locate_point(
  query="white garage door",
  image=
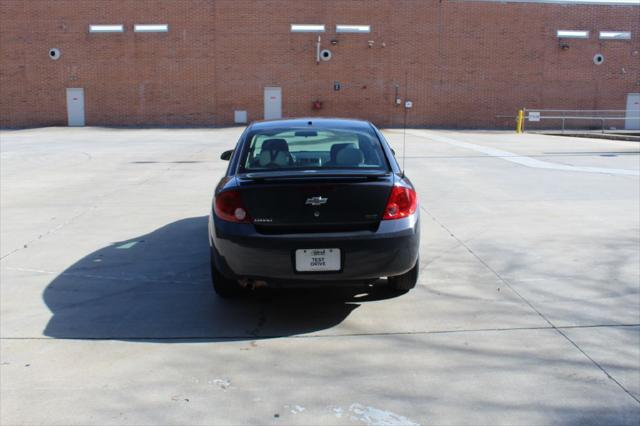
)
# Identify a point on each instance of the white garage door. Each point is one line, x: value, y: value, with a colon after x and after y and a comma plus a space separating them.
x: 632, y: 121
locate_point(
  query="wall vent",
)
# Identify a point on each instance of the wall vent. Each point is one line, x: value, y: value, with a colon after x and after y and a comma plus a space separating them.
x: 615, y: 35
x: 151, y: 28
x: 106, y: 28
x: 572, y: 34
x: 307, y: 28
x: 363, y: 29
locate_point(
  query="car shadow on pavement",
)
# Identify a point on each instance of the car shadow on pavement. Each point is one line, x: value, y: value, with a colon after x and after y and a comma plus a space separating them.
x: 157, y: 287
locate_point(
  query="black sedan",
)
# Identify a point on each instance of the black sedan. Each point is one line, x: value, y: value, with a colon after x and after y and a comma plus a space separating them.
x: 313, y: 202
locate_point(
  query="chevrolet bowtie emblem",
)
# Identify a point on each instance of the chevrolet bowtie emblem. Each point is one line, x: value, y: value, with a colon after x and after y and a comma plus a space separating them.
x: 316, y: 201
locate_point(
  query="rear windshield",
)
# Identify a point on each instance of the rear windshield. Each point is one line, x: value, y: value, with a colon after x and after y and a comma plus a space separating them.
x: 290, y: 149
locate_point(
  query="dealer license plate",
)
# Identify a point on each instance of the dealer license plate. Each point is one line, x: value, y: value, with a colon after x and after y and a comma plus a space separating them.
x: 317, y: 260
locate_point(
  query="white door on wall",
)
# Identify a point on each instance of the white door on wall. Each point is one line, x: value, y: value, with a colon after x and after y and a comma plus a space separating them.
x: 272, y: 103
x: 75, y: 106
x: 632, y: 121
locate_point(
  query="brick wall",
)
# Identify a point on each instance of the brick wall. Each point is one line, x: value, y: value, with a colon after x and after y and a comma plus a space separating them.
x: 462, y: 63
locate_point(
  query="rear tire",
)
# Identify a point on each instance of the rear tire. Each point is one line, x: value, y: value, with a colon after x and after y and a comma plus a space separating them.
x: 223, y: 286
x: 405, y: 282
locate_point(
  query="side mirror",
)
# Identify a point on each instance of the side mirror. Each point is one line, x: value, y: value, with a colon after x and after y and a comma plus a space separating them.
x: 226, y: 156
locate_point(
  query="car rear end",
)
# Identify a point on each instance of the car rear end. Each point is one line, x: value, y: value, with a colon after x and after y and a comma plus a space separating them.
x: 309, y: 203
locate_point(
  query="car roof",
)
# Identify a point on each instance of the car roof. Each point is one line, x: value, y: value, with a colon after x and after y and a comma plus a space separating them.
x: 311, y: 122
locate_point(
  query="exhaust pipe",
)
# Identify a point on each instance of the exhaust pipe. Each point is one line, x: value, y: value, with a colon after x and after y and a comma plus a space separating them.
x: 251, y: 284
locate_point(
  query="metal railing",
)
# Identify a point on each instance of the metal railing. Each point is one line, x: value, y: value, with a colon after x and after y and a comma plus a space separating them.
x: 600, y: 116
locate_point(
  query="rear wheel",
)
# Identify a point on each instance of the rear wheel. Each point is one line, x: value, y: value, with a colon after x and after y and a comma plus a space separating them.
x: 223, y: 286
x: 407, y: 281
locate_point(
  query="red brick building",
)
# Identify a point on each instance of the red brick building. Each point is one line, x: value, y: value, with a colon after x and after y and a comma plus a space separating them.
x: 460, y: 62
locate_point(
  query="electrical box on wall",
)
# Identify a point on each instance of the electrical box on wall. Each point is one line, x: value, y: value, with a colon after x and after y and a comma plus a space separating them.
x: 240, y: 116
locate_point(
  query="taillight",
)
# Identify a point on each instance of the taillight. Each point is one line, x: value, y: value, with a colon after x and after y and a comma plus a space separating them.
x: 228, y: 206
x: 403, y: 202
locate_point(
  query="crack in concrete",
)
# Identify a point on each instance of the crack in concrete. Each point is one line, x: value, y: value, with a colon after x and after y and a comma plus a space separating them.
x: 547, y: 320
x: 47, y: 233
x: 262, y: 320
x: 93, y: 205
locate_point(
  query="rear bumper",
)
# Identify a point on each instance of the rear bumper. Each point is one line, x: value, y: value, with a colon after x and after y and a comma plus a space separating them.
x: 240, y: 252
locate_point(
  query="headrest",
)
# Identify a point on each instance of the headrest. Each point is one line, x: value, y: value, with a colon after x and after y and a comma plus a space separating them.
x: 264, y: 158
x: 274, y: 158
x: 362, y: 139
x: 349, y: 157
x: 335, y: 148
x: 282, y: 159
x: 275, y: 145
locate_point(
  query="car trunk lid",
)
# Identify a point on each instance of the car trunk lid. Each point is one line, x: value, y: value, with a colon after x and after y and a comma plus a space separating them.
x: 327, y: 201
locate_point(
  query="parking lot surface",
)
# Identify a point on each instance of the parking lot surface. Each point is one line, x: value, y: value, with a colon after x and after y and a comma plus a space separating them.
x: 527, y: 309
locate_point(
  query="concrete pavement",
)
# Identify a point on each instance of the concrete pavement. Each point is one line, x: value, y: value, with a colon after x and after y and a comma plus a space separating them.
x: 527, y: 312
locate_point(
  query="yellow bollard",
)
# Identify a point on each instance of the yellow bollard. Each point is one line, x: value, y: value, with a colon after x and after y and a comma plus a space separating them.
x: 520, y: 121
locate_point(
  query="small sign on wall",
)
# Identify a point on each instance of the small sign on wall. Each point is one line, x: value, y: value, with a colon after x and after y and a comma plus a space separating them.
x: 336, y: 86
x: 534, y: 116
